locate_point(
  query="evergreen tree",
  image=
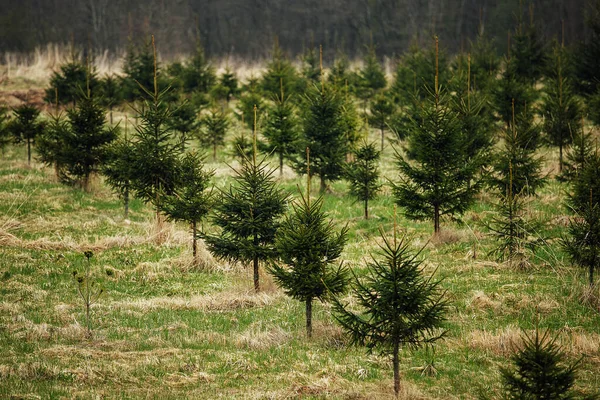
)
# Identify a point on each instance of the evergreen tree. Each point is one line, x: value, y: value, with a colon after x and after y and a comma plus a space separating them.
x: 118, y: 169
x: 438, y: 176
x: 248, y: 214
x: 110, y: 94
x: 190, y: 202
x: 155, y: 165
x: 69, y: 83
x: 138, y: 70
x: 281, y: 130
x: 279, y: 72
x: 539, y: 371
x: 325, y: 130
x: 49, y: 144
x: 82, y: 149
x: 183, y: 121
x: 363, y: 174
x: 560, y: 109
x: 230, y: 84
x: 242, y: 146
x: 578, y: 153
x: 340, y: 74
x: 311, y: 70
x: 485, y: 63
x: 587, y: 67
x: 25, y: 126
x: 511, y: 89
x: 586, y: 181
x: 308, y: 247
x: 382, y: 110
x: 401, y: 307
x: 246, y: 105
x: 198, y: 75
x: 371, y: 78
x: 527, y: 51
x: 215, y: 125
x: 521, y: 140
x: 4, y: 131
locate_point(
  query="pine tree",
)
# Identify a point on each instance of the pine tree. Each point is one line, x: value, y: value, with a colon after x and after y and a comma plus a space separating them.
x: 138, y: 69
x: 118, y: 170
x: 521, y: 140
x: 71, y: 82
x: 325, y: 132
x: 281, y: 129
x: 83, y: 148
x: 401, y: 307
x: 246, y: 105
x: 340, y: 75
x: 310, y: 68
x: 183, y: 121
x: 198, y: 75
x: 279, y: 71
x: 190, y: 202
x: 539, y: 371
x: 229, y: 82
x: 248, y: 214
x: 586, y: 181
x: 560, y: 109
x: 587, y: 54
x: 438, y: 176
x: 4, y: 131
x: 215, y: 125
x: 382, y: 110
x: 155, y: 165
x: 308, y: 248
x: 485, y: 63
x: 527, y: 51
x: 25, y: 126
x: 363, y: 174
x: 511, y: 89
x: 578, y: 153
x: 110, y: 93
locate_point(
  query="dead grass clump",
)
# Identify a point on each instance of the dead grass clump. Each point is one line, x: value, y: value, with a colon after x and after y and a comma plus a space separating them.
x: 481, y: 301
x: 448, y: 236
x: 501, y: 342
x: 180, y: 379
x: 258, y: 337
x: 330, y: 334
x: 590, y: 296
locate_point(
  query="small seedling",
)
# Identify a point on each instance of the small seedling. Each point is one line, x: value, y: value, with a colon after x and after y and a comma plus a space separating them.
x: 88, y: 290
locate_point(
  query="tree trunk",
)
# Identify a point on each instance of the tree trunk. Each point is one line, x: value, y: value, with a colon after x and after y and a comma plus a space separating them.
x: 256, y: 277
x: 215, y: 152
x: 126, y: 202
x: 111, y: 115
x: 560, y: 158
x: 396, y: 363
x: 436, y: 219
x: 309, y: 317
x: 280, y: 164
x: 382, y: 139
x: 28, y: 151
x: 194, y: 243
x: 323, y: 186
x: 366, y: 209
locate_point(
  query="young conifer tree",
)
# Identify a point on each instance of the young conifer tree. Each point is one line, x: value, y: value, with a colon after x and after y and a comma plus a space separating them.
x: 586, y: 181
x: 509, y: 89
x: 198, y: 75
x: 400, y: 306
x: 140, y: 70
x: 215, y: 125
x: 363, y: 174
x: 560, y: 110
x: 72, y: 79
x: 190, y: 201
x: 521, y: 138
x: 579, y: 152
x: 527, y: 49
x: 229, y: 82
x: 26, y: 126
x: 438, y: 176
x: 248, y: 214
x: 110, y: 94
x: 4, y: 132
x: 83, y: 148
x: 279, y: 70
x: 308, y: 248
x: 539, y: 371
x: 382, y: 109
x: 118, y: 168
x: 371, y: 77
x: 281, y: 129
x: 183, y: 121
x: 155, y: 165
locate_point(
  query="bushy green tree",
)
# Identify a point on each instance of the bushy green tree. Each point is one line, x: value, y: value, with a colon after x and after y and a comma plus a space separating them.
x: 279, y: 72
x: 183, y: 121
x: 311, y: 69
x: 340, y: 75
x: 83, y: 147
x: 527, y: 51
x: 325, y: 132
x: 246, y: 105
x: 437, y: 174
x: 539, y: 371
x: 308, y: 248
x: 198, y: 75
x: 587, y: 54
x: 582, y: 243
x: 371, y: 78
x: 118, y: 168
x: 71, y: 82
x: 49, y: 143
x: 4, y: 131
x: 26, y: 126
x: 485, y: 63
x: 190, y: 201
x: 363, y: 174
x: 579, y: 152
x: 400, y: 307
x: 560, y: 109
x: 214, y: 127
x: 229, y: 82
x: 110, y: 93
x: 248, y: 214
x: 382, y: 110
x: 508, y: 89
x: 281, y: 130
x: 586, y: 181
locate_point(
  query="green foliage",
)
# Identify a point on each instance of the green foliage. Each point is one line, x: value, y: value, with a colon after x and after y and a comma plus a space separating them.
x: 560, y: 109
x: 25, y: 126
x: 325, y: 132
x: 89, y: 291
x: 510, y: 88
x: 139, y: 73
x: 588, y: 53
x: 183, y: 121
x: 363, y: 174
x: 308, y: 247
x: 539, y: 371
x: 4, y: 131
x: 71, y: 82
x: 311, y: 70
x: 118, y: 168
x: 527, y: 53
x: 485, y: 63
x: 246, y: 105
x: 382, y: 109
x: 438, y: 175
x: 521, y: 141
x: 248, y: 214
x: 583, y: 241
x: 340, y: 74
x: 579, y: 152
x: 279, y: 72
x: 371, y: 77
x: 281, y: 130
x: 214, y: 127
x: 229, y: 82
x: 198, y: 75
x: 190, y: 202
x: 82, y: 148
x: 110, y: 93
x: 399, y: 306
x: 586, y: 186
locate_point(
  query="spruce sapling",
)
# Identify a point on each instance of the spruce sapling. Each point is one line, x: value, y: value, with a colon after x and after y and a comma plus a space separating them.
x: 363, y: 174
x: 382, y: 110
x: 215, y: 125
x: 400, y: 306
x: 117, y: 168
x: 26, y: 126
x: 308, y: 248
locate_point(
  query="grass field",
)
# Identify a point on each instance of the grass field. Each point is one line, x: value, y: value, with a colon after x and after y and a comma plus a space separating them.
x: 164, y: 329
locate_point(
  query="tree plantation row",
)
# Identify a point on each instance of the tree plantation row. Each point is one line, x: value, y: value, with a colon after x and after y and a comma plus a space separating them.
x: 458, y: 127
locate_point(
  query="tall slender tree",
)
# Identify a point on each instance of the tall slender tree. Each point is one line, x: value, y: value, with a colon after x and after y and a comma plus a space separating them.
x: 215, y: 125
x: 118, y: 168
x: 363, y: 174
x: 26, y: 126
x: 382, y: 110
